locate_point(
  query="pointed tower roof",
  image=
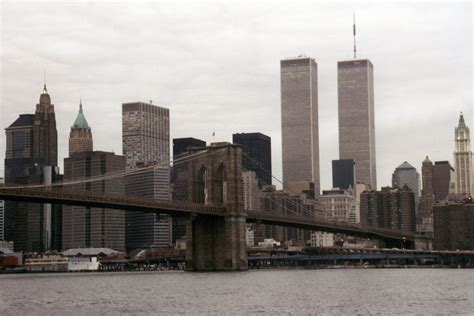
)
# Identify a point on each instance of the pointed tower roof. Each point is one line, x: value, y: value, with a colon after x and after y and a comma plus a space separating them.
x: 80, y: 121
x: 462, y: 123
x: 44, y: 97
x: 405, y: 165
x: 427, y: 159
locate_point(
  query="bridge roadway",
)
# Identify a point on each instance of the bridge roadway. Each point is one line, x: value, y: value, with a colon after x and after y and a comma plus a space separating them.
x: 179, y: 208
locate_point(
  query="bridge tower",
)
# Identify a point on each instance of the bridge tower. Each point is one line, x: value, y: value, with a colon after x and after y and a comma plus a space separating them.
x: 215, y: 178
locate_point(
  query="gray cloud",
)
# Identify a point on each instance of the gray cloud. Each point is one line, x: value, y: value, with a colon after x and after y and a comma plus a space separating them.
x: 216, y: 66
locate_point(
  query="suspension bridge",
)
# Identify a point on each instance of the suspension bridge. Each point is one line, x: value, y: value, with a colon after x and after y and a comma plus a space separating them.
x: 216, y: 216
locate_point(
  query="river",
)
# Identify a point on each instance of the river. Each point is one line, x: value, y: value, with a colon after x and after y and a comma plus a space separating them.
x: 334, y: 292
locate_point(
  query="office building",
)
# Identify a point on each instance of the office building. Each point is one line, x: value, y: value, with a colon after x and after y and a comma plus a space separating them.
x: 179, y: 179
x: 343, y: 173
x: 406, y: 174
x: 453, y: 226
x: 86, y: 227
x: 45, y: 135
x: 146, y: 143
x: 443, y: 180
x: 251, y: 191
x: 299, y: 121
x: 181, y: 145
x: 355, y: 87
x: 80, y: 136
x: 427, y: 200
x: 463, y: 158
x: 388, y: 208
x: 145, y: 134
x: 31, y: 158
x: 257, y: 155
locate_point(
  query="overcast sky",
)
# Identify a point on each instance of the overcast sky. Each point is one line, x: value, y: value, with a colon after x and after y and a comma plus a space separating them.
x: 215, y: 65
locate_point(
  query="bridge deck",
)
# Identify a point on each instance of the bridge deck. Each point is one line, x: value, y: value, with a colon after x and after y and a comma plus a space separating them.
x: 178, y: 208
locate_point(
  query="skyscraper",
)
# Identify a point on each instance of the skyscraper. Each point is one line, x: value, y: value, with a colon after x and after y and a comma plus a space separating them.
x: 85, y: 227
x: 146, y: 141
x: 427, y: 200
x: 257, y: 149
x: 45, y: 135
x: 31, y: 158
x: 355, y: 87
x: 406, y: 174
x: 343, y: 173
x: 80, y: 137
x: 443, y: 179
x: 463, y: 158
x: 179, y: 179
x: 299, y: 121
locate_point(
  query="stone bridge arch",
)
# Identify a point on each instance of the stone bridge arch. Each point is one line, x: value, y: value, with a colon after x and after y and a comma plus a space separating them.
x: 215, y: 178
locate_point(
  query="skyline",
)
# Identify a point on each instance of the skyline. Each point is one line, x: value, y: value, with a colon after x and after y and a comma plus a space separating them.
x: 249, y: 76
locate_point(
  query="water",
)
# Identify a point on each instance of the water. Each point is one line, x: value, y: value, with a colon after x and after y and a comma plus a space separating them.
x: 348, y: 291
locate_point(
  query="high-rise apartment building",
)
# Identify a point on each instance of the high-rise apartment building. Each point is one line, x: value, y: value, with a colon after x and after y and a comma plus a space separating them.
x: 443, y: 179
x: 355, y: 87
x: 85, y: 227
x: 146, y: 141
x: 80, y: 137
x: 299, y: 121
x: 463, y: 158
x: 453, y: 226
x: 343, y: 173
x: 257, y: 155
x: 406, y: 174
x: 389, y: 208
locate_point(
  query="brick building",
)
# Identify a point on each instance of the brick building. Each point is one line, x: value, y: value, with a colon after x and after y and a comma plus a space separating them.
x: 453, y: 226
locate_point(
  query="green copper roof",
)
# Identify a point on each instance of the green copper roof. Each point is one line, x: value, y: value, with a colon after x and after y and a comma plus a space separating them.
x: 80, y: 121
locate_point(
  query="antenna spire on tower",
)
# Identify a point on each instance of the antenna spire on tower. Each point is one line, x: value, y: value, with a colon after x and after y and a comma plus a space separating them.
x: 354, y: 33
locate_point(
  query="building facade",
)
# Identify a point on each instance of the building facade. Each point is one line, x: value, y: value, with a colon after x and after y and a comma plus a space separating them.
x: 179, y: 179
x: 427, y: 200
x: 45, y: 135
x: 443, y: 180
x: 453, y: 226
x: 355, y: 87
x: 257, y: 150
x: 388, y: 208
x: 146, y: 142
x: 343, y: 173
x: 31, y: 158
x: 337, y: 204
x: 86, y: 227
x: 80, y: 136
x: 299, y: 121
x: 463, y: 158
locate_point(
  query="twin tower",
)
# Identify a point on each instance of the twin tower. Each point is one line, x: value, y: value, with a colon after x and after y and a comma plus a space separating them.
x: 300, y: 126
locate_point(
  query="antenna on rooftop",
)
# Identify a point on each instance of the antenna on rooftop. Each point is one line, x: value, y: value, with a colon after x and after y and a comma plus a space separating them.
x: 354, y: 33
